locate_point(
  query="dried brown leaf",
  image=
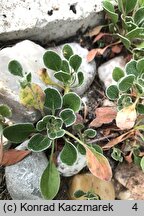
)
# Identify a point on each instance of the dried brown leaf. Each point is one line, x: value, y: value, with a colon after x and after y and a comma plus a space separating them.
x: 126, y: 117
x: 95, y: 31
x: 104, y: 115
x: 116, y: 48
x: 128, y: 158
x: 13, y: 156
x: 99, y: 36
x: 118, y: 139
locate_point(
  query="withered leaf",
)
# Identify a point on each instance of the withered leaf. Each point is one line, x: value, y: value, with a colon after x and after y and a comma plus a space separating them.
x: 96, y: 30
x: 104, y: 115
x: 13, y: 156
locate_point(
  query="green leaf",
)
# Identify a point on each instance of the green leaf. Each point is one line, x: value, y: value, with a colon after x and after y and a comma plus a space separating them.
x: 141, y: 82
x: 18, y: 132
x: 5, y: 111
x: 50, y: 181
x: 140, y: 65
x: 1, y: 129
x: 79, y: 193
x: 89, y: 133
x: 140, y: 108
x: 112, y: 92
x: 15, y: 68
x: 124, y: 101
x: 67, y: 51
x: 98, y: 148
x: 109, y: 8
x: 142, y: 163
x: 68, y: 154
x: 80, y: 76
x: 53, y: 99
x: 129, y: 5
x: 62, y: 76
x: 65, y: 66
x: 38, y: 143
x: 72, y: 100
x: 124, y: 40
x: 52, y: 60
x: 68, y: 116
x: 139, y: 17
x: 29, y: 77
x: 137, y: 33
x: 137, y: 159
x: 139, y: 88
x: 75, y: 62
x: 131, y: 68
x: 78, y: 127
x: 117, y: 154
x: 81, y: 149
x: 41, y: 125
x: 117, y: 74
x: 55, y: 134
x: 126, y: 83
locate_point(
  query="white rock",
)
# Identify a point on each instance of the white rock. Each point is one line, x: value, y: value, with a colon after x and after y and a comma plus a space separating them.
x: 23, y: 178
x: 30, y: 54
x: 106, y: 69
x: 67, y: 171
x: 47, y: 20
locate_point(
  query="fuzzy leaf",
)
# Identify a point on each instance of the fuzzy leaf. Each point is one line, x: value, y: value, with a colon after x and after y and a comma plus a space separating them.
x: 117, y: 154
x: 72, y: 100
x: 141, y: 82
x: 41, y: 125
x: 98, y: 164
x: 131, y: 68
x: 129, y: 5
x: 81, y: 149
x: 140, y: 66
x: 124, y: 40
x: 139, y: 17
x: 50, y: 181
x: 90, y: 133
x: 15, y: 68
x: 68, y: 116
x: 79, y: 193
x: 126, y: 117
x: 126, y: 83
x: 52, y: 60
x: 5, y: 111
x: 68, y: 154
x: 19, y: 132
x: 38, y: 143
x: 13, y: 156
x: 140, y: 109
x: 65, y: 66
x: 75, y: 62
x: 28, y: 99
x: 62, y: 76
x: 67, y: 51
x: 80, y: 76
x: 137, y: 33
x: 53, y: 99
x: 112, y: 92
x: 109, y: 8
x: 117, y: 74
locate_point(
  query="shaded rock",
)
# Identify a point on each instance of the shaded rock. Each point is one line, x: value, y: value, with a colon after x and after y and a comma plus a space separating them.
x: 106, y: 69
x: 47, y: 20
x: 30, y: 55
x: 23, y: 178
x: 87, y: 182
x: 66, y: 170
x: 131, y: 177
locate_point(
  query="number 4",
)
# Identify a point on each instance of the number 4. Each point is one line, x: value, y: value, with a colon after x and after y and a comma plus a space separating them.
x: 135, y: 207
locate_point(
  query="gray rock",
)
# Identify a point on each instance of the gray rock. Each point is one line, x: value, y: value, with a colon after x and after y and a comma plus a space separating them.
x: 67, y: 171
x: 30, y: 54
x: 23, y: 178
x: 47, y: 20
x: 131, y: 177
x: 106, y: 69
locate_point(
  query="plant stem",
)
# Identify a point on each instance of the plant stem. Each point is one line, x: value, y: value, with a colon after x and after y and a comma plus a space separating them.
x: 36, y: 100
x: 74, y: 137
x: 52, y: 150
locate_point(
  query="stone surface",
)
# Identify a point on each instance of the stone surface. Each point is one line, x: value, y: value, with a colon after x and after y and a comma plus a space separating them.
x: 67, y: 171
x: 23, y: 178
x: 30, y: 54
x: 88, y: 182
x: 106, y: 69
x: 131, y: 177
x: 47, y: 20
